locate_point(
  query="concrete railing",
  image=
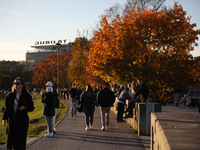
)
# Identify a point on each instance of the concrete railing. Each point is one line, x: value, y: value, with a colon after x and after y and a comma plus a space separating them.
x: 141, y: 120
x: 144, y: 116
x: 133, y: 122
x: 170, y: 131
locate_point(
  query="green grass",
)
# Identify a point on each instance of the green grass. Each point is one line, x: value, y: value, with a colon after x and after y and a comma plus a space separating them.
x: 35, y: 129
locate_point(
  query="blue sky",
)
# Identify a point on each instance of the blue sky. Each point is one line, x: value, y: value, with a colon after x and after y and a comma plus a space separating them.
x: 22, y: 22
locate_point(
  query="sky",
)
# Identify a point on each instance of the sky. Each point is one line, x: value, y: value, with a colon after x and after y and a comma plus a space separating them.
x: 23, y: 22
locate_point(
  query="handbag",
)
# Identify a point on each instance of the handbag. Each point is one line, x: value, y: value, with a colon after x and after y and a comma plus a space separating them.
x: 79, y: 106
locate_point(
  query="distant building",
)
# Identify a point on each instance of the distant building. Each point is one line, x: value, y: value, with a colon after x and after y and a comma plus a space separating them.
x: 13, y: 64
x: 44, y: 48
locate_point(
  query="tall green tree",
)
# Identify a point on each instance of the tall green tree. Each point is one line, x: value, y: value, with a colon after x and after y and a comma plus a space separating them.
x: 6, y: 82
x: 15, y: 69
x: 4, y: 69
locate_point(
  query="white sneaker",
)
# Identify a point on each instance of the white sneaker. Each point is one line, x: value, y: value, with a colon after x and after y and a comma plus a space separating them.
x: 48, y: 135
x: 103, y: 128
x: 87, y: 128
x: 91, y: 128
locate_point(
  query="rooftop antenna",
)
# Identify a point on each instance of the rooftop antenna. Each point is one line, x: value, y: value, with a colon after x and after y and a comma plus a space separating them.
x: 83, y: 32
x: 86, y: 34
x: 77, y: 32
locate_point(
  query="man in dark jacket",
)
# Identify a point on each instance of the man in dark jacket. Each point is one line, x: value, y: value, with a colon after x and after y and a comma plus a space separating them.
x: 105, y: 99
x: 143, y: 92
x: 74, y: 97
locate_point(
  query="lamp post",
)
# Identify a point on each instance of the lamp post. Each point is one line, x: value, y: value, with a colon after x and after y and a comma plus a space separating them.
x: 52, y: 65
x: 58, y: 46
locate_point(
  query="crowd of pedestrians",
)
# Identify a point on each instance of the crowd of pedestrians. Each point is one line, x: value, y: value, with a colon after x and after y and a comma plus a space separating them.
x: 105, y: 98
x: 19, y: 102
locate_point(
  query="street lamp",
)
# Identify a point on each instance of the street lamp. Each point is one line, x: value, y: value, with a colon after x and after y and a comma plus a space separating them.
x: 58, y: 46
x: 52, y: 65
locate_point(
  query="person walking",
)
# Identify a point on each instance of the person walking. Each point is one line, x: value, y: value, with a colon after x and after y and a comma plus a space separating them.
x: 57, y: 104
x: 124, y: 95
x: 105, y: 99
x: 88, y: 99
x: 143, y: 92
x: 18, y: 103
x: 73, y: 94
x: 49, y: 99
x: 64, y: 93
x: 67, y: 92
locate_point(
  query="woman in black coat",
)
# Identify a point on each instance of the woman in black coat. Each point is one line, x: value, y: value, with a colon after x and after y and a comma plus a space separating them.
x: 49, y: 99
x: 18, y: 103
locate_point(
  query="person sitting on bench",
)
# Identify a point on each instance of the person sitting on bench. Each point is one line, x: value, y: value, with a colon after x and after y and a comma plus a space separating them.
x: 143, y: 92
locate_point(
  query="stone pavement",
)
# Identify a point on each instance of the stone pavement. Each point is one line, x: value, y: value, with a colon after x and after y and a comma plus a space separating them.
x: 71, y: 135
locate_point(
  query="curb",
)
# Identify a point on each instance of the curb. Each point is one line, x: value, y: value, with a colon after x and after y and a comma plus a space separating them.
x: 29, y: 144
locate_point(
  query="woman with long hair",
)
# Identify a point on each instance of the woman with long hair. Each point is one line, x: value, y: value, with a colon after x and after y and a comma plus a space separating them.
x: 88, y: 99
x: 18, y: 103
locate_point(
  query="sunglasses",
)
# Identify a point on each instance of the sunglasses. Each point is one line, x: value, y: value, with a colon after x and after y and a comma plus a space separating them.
x: 17, y: 83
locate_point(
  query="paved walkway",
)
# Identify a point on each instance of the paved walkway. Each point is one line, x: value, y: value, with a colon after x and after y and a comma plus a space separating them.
x: 71, y: 135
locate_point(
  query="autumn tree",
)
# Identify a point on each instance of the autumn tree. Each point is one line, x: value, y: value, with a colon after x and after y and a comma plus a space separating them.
x: 77, y: 71
x: 148, y: 44
x: 46, y: 70
x: 78, y: 63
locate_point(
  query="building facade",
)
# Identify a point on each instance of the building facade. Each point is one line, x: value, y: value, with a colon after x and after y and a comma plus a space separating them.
x: 44, y: 48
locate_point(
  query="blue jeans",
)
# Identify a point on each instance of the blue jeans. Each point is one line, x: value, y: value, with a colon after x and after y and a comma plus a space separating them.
x: 73, y: 106
x: 49, y: 123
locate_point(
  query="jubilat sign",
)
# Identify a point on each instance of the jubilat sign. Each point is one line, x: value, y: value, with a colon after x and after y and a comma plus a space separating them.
x: 50, y: 42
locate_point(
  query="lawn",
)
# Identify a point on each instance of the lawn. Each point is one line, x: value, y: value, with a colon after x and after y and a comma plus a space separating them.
x: 35, y: 129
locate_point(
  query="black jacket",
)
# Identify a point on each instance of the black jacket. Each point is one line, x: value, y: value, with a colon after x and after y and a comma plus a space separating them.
x: 106, y: 98
x: 18, y: 122
x: 73, y: 92
x: 143, y: 91
x: 49, y: 100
